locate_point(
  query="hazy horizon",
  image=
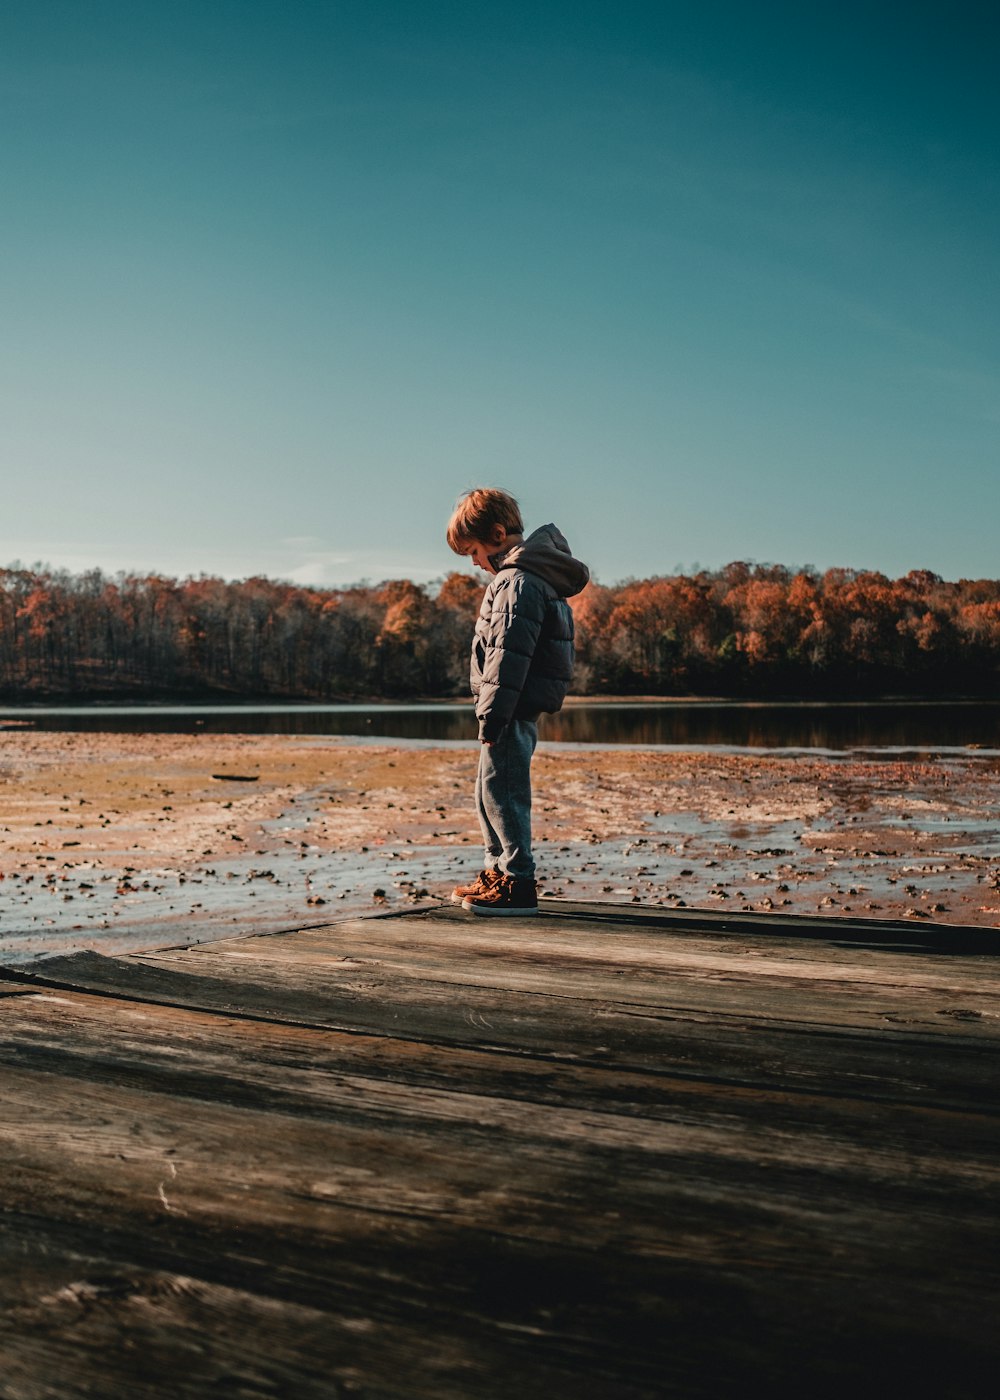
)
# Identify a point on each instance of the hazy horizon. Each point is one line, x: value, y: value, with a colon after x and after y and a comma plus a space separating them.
x: 459, y: 566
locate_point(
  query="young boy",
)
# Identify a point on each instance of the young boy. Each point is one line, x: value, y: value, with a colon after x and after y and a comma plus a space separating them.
x: 522, y: 663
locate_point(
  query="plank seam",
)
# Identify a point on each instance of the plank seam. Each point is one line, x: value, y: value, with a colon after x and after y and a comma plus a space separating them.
x: 553, y: 1057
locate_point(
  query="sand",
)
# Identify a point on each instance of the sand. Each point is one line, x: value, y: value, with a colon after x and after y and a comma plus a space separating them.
x: 118, y: 842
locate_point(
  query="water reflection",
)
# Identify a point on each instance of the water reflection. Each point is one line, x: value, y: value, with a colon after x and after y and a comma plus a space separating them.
x: 782, y: 726
x: 696, y: 725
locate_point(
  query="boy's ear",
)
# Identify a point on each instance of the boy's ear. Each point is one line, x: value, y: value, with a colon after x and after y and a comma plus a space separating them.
x: 499, y: 534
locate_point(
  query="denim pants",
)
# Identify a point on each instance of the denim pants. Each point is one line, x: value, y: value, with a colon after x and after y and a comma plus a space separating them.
x: 503, y: 799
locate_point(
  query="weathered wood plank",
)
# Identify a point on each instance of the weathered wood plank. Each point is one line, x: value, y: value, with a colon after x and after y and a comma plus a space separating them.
x: 636, y: 934
x: 895, y: 1069
x: 691, y: 1009
x: 401, y: 1191
x: 307, y: 1071
x: 646, y: 972
x: 419, y: 1157
x: 93, y: 1325
x: 655, y: 972
x: 895, y: 1062
x: 545, y: 944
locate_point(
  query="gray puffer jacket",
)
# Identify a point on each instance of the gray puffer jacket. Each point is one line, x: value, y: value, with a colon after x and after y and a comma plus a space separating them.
x: 522, y: 653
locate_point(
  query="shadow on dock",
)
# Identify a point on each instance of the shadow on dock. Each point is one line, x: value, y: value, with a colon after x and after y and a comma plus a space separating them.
x: 598, y: 1151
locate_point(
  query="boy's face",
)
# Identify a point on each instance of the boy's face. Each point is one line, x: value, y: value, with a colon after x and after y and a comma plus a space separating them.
x: 479, y: 551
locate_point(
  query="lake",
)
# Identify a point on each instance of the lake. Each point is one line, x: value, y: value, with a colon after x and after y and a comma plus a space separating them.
x: 683, y: 724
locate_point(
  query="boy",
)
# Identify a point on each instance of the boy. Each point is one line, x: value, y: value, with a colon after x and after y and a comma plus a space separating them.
x: 522, y: 663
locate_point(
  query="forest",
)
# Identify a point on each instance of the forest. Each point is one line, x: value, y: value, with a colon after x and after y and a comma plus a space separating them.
x: 753, y: 630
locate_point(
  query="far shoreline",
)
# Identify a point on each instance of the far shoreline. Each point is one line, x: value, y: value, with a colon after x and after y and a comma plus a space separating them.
x: 229, y: 702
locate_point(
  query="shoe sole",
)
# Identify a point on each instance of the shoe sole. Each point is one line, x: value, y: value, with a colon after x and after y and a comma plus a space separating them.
x: 495, y: 913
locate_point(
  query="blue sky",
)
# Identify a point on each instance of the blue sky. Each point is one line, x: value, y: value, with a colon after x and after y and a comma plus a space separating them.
x: 700, y: 282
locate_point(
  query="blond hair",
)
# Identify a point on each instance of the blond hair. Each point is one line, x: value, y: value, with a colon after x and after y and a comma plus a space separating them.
x: 477, y: 513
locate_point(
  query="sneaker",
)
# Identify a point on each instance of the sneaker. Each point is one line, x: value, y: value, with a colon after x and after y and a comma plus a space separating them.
x: 507, y: 895
x: 484, y: 881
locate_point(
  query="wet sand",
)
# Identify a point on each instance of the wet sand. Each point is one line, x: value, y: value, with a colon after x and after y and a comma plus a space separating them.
x: 120, y: 842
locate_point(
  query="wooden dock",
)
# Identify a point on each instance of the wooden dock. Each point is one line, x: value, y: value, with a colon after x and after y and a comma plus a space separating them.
x: 598, y: 1152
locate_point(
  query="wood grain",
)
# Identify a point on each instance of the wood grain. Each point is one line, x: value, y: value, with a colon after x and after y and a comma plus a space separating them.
x: 566, y: 1156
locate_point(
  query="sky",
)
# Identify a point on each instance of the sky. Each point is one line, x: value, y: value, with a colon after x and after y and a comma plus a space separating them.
x: 280, y: 279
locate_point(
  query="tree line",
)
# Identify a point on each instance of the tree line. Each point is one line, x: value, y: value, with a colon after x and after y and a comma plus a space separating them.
x: 744, y: 630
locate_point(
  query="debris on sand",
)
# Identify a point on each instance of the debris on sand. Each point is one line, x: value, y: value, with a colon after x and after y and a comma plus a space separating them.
x: 107, y: 835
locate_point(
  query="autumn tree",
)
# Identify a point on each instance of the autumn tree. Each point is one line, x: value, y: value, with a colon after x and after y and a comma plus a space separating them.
x: 746, y: 629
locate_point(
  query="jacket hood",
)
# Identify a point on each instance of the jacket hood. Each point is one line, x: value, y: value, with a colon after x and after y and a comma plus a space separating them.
x: 546, y: 553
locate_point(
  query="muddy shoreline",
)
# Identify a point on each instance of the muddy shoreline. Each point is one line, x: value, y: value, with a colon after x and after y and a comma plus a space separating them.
x: 118, y: 841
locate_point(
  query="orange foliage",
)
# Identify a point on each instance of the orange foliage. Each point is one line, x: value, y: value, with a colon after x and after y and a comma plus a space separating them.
x: 744, y: 629
x: 461, y: 592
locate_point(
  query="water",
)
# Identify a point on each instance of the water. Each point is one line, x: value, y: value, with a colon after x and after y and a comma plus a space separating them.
x: 688, y: 724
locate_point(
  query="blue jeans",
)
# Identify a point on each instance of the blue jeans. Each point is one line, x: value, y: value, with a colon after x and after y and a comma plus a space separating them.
x: 503, y: 799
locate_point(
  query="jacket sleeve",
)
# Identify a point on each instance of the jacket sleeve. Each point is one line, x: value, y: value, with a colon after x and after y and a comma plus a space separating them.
x: 515, y: 626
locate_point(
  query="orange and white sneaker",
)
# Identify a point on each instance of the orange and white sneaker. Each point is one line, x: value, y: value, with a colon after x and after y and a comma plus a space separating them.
x: 508, y: 895
x: 484, y: 881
